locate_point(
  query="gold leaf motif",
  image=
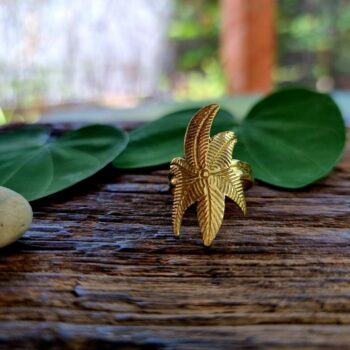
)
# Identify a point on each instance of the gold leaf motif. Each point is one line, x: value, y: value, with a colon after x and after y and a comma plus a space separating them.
x: 229, y: 182
x: 198, y: 135
x: 206, y: 175
x: 185, y: 192
x: 210, y: 210
x: 220, y: 149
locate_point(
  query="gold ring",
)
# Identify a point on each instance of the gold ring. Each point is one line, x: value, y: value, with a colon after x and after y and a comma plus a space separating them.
x: 207, y: 174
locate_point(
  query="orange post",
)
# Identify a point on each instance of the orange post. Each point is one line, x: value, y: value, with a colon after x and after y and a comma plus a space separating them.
x: 248, y: 44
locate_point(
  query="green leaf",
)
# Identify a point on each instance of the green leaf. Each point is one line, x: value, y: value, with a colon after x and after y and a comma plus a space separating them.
x: 159, y: 141
x: 36, y: 165
x: 291, y: 138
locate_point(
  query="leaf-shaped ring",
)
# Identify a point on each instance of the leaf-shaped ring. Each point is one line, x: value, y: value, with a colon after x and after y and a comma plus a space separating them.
x: 207, y: 174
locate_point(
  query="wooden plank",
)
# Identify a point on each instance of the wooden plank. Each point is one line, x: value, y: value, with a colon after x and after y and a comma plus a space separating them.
x: 248, y: 44
x: 100, y: 269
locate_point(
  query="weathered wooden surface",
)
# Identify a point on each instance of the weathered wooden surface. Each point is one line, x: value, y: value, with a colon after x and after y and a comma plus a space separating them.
x: 100, y: 269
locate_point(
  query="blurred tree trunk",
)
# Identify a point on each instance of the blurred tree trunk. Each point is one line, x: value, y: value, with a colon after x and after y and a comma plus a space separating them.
x: 248, y: 44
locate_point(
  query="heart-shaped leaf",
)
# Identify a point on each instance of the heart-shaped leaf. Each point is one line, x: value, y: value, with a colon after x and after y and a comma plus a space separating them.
x: 36, y: 165
x: 291, y: 138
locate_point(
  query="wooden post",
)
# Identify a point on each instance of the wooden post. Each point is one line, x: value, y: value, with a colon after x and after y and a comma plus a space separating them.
x: 248, y: 44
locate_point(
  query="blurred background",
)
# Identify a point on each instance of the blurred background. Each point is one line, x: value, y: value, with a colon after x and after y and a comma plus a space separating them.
x: 60, y: 55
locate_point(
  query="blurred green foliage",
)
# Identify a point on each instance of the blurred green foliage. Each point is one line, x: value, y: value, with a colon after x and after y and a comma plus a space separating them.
x: 194, y: 32
x: 196, y: 22
x: 2, y: 117
x: 312, y: 35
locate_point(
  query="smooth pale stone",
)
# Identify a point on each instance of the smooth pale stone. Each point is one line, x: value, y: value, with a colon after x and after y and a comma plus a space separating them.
x: 16, y: 215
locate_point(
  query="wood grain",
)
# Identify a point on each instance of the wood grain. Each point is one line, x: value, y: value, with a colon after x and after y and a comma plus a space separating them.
x: 100, y: 269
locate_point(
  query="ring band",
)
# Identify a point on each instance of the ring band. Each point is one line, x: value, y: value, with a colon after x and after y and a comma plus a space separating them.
x: 246, y: 174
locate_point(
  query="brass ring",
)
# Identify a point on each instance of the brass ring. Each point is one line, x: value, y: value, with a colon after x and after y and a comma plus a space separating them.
x: 207, y: 174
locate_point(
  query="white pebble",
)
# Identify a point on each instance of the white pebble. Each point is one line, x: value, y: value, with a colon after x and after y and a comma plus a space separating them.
x: 16, y: 215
